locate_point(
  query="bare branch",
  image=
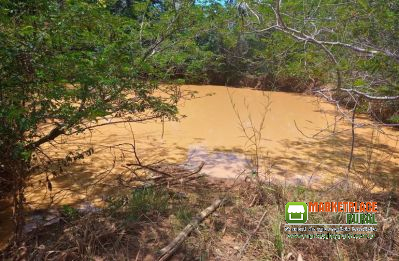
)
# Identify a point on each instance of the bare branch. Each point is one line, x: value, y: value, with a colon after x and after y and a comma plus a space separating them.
x: 280, y: 25
x: 61, y: 130
x: 166, y: 252
x: 301, y: 36
x: 54, y: 133
x: 371, y: 97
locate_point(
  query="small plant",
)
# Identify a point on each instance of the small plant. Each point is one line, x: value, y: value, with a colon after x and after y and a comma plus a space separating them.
x: 394, y: 118
x: 184, y: 215
x: 278, y: 240
x: 145, y: 202
x: 69, y: 212
x: 299, y: 192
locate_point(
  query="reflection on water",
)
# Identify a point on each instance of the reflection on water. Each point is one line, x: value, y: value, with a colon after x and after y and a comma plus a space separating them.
x: 217, y: 164
x: 303, y: 141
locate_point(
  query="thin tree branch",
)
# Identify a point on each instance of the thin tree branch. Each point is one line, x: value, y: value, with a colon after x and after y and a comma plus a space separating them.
x: 169, y: 250
x: 371, y: 97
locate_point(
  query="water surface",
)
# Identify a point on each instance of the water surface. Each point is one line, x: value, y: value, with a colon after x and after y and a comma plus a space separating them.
x: 303, y: 141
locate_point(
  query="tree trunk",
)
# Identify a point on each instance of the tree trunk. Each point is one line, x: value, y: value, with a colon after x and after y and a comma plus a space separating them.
x: 19, y: 200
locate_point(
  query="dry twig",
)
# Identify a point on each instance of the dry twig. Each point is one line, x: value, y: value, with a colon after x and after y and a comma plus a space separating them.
x: 168, y: 251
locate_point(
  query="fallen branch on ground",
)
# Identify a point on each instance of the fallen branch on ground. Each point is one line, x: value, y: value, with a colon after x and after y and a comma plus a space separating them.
x: 168, y: 251
x: 165, y: 179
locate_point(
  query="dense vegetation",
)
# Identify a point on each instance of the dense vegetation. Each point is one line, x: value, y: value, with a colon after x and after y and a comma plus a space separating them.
x: 66, y: 63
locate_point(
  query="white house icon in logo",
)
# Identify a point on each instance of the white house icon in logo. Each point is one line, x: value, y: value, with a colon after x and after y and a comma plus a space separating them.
x: 296, y: 209
x: 296, y: 212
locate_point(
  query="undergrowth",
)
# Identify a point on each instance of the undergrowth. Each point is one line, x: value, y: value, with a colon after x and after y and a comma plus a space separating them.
x: 138, y: 225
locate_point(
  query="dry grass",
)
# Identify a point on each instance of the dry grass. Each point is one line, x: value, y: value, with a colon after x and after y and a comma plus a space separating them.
x: 271, y: 242
x: 90, y: 237
x: 112, y: 235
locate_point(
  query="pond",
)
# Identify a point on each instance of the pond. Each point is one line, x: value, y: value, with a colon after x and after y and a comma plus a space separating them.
x: 300, y: 139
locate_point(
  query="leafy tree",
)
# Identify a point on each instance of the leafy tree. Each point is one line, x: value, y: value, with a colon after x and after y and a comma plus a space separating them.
x: 66, y: 65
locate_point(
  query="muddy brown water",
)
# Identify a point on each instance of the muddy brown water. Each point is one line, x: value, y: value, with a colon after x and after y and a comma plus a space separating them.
x: 303, y: 141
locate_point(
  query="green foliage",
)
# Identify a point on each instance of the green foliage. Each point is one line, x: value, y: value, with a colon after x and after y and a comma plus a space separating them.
x: 69, y: 212
x: 184, y: 214
x: 146, y: 202
x: 142, y: 203
x: 222, y: 45
x: 67, y: 64
x: 278, y: 239
x: 394, y: 119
